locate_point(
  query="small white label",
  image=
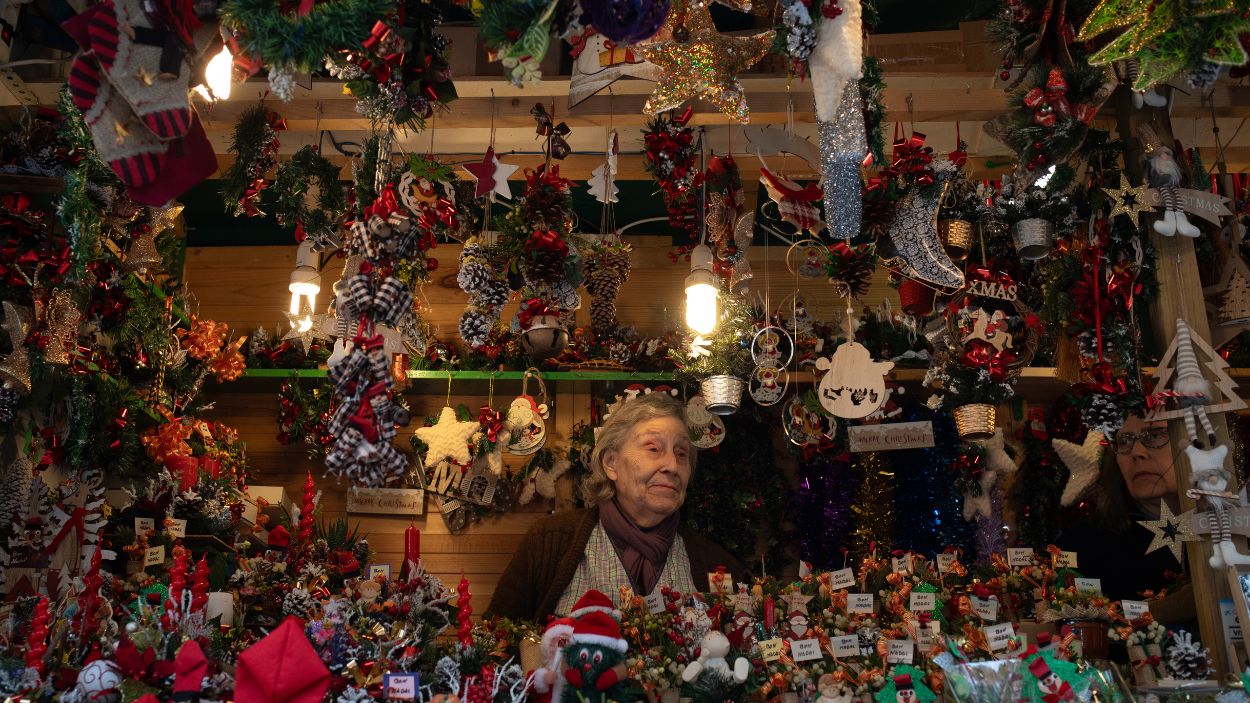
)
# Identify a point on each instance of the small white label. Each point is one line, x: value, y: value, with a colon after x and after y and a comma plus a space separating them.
x: 859, y: 603
x: 720, y: 583
x: 805, y: 650
x: 920, y: 601
x: 842, y: 578
x: 901, y: 564
x: 144, y: 525
x: 176, y: 528
x: 401, y: 687
x: 1084, y: 584
x: 1065, y: 560
x: 845, y: 646
x: 999, y: 636
x: 1019, y: 556
x: 655, y: 602
x: 154, y: 555
x: 985, y: 608
x: 900, y: 651
x: 945, y: 562
x: 1232, y: 624
x: 770, y: 650
x: 382, y: 570
x: 1134, y: 609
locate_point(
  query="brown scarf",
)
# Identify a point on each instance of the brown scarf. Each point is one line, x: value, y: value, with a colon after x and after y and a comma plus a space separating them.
x: 643, y: 552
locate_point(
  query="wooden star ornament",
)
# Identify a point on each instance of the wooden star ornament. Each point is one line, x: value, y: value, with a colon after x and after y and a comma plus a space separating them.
x: 492, y: 176
x: 1128, y: 200
x: 700, y: 62
x: 1169, y: 530
x: 305, y: 326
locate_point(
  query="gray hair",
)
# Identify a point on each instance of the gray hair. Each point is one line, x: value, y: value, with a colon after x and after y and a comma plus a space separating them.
x: 597, y: 487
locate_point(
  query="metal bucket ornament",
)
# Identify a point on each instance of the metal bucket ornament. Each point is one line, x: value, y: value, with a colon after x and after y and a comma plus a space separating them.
x: 722, y: 393
x: 956, y: 237
x: 542, y: 333
x: 526, y: 418
x: 1033, y: 238
x: 915, y: 298
x: 975, y: 421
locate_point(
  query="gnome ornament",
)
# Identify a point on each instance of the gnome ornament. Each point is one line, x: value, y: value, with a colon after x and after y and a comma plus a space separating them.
x: 1164, y: 175
x: 1211, y: 481
x: 1193, y: 390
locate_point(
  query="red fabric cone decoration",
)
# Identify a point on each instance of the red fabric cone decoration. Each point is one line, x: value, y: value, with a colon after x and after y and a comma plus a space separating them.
x: 281, y: 668
x: 279, y: 538
x: 190, y: 668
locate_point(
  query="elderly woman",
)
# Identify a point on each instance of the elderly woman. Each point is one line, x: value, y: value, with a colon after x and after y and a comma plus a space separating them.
x: 640, y: 468
x: 1138, y: 472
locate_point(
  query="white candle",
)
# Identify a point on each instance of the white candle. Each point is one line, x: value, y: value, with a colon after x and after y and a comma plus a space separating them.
x: 221, y: 603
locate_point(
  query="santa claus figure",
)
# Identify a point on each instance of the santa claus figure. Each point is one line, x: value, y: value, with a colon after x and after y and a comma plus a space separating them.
x: 547, y: 679
x: 904, y: 690
x: 798, y: 624
x: 1053, y: 688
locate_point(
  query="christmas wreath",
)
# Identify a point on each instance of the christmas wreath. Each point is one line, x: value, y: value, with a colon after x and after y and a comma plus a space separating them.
x: 316, y: 218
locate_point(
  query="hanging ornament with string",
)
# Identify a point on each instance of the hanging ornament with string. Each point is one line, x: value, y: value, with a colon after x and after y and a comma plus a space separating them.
x: 526, y: 418
x: 836, y: 66
x: 853, y: 385
x: 772, y: 349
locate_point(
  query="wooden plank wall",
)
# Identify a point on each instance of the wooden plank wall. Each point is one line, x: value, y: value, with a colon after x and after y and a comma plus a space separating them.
x: 245, y: 287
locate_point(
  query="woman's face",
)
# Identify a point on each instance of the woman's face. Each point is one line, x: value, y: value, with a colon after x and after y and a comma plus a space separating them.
x: 651, y: 469
x: 1148, y: 473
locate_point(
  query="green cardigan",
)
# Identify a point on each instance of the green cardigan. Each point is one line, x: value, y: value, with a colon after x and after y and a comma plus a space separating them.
x: 544, y: 563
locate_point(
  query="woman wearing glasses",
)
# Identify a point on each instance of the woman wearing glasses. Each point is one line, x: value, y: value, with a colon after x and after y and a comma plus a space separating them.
x: 1138, y: 472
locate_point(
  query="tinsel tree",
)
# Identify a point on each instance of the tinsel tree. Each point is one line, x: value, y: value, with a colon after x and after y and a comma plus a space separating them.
x: 928, y: 507
x: 823, y: 506
x: 1038, y: 487
x: 739, y: 477
x: 873, y: 506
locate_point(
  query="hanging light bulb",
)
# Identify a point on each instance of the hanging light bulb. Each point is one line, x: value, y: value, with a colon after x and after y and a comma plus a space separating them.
x: 701, y: 291
x: 304, y: 287
x: 217, y: 77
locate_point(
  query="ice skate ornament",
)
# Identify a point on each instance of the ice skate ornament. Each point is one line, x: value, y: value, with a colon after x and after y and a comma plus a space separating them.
x: 1210, y: 480
x: 1182, y: 390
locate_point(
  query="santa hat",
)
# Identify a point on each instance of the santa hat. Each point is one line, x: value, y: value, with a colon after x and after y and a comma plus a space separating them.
x: 560, y: 627
x: 279, y: 538
x: 281, y: 667
x: 902, y: 682
x: 594, y: 602
x: 190, y: 668
x: 1039, y: 668
x: 1043, y: 640
x: 597, y: 628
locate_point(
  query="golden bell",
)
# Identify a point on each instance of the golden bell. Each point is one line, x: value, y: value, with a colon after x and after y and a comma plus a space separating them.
x: 15, y: 370
x: 142, y: 254
x: 956, y: 236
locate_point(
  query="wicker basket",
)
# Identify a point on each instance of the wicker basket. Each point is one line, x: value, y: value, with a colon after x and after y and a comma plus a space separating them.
x: 1091, y: 633
x: 915, y: 297
x: 975, y: 421
x: 723, y: 394
x: 956, y: 236
x: 1033, y: 238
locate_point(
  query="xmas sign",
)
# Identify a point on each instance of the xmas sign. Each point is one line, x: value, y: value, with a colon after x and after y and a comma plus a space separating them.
x: 386, y: 501
x: 895, y: 435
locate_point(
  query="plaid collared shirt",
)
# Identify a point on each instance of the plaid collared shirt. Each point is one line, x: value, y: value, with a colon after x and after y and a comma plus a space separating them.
x: 602, y: 570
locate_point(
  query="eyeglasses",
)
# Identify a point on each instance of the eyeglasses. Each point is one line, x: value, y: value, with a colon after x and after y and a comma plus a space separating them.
x: 1152, y: 438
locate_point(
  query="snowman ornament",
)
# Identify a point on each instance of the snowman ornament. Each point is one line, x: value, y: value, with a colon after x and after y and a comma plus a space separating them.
x: 853, y: 385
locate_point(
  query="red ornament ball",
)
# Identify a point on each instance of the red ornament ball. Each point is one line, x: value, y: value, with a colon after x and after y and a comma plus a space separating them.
x: 1004, y: 75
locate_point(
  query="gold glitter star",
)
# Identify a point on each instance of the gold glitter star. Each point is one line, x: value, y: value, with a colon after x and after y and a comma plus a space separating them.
x: 1169, y: 530
x: 704, y: 65
x: 1127, y: 200
x: 165, y: 218
x: 144, y: 77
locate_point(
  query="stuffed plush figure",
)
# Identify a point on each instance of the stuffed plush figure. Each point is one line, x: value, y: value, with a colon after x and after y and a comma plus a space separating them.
x: 548, y: 683
x: 594, y: 660
x: 833, y: 689
x: 713, y: 650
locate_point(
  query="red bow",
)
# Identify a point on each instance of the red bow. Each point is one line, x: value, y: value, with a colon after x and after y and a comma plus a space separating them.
x: 384, y: 205
x: 981, y: 354
x: 344, y: 561
x: 491, y: 420
x: 911, y: 157
x: 534, y: 307
x: 547, y: 243
x: 1102, y: 380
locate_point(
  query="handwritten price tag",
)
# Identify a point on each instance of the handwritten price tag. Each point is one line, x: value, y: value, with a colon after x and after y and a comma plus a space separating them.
x: 901, y: 565
x: 1134, y: 609
x: 985, y: 608
x: 154, y: 556
x: 859, y: 603
x: 921, y: 602
x: 401, y: 687
x: 721, y: 584
x: 1065, y: 560
x: 770, y: 650
x: 945, y: 562
x: 999, y: 636
x: 177, y: 528
x: 655, y: 602
x: 805, y: 650
x: 842, y: 578
x: 144, y: 524
x: 845, y: 646
x: 1084, y: 584
x: 1019, y: 556
x: 376, y: 570
x: 900, y: 651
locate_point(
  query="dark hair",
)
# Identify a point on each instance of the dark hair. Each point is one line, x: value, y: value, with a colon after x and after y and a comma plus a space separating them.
x: 1114, y: 500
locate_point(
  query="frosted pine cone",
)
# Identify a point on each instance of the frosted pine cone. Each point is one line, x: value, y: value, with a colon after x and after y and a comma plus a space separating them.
x: 475, y: 327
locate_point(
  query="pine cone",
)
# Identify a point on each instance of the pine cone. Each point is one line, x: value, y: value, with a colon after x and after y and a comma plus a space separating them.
x: 474, y: 276
x: 299, y: 603
x: 1101, y: 414
x: 603, y: 317
x: 475, y: 327
x: 493, y: 295
x: 542, y: 269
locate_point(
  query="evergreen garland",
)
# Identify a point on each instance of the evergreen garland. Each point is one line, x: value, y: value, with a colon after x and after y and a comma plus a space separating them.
x: 254, y: 144
x: 295, y: 177
x: 872, y: 92
x: 288, y: 41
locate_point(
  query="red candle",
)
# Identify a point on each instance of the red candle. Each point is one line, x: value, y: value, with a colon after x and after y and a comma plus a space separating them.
x: 178, y: 576
x: 465, y: 614
x: 412, y: 549
x: 199, y: 587
x: 307, y: 509
x: 770, y: 614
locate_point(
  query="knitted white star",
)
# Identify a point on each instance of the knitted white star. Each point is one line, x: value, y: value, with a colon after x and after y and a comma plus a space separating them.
x: 1082, y: 462
x: 448, y: 438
